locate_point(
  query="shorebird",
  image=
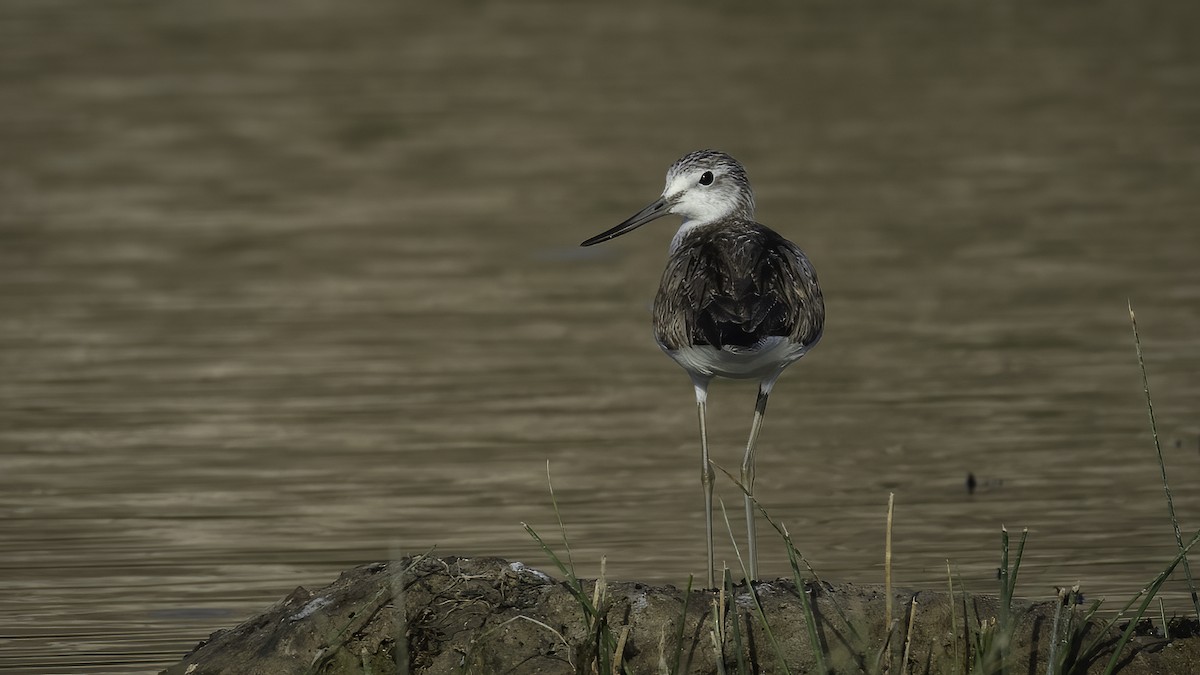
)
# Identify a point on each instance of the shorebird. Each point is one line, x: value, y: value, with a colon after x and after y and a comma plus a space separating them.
x: 737, y: 300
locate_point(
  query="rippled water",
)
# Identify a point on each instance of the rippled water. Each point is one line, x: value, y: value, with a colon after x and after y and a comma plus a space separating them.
x: 292, y: 287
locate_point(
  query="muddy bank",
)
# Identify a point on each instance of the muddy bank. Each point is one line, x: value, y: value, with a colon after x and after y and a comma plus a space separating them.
x: 487, y: 615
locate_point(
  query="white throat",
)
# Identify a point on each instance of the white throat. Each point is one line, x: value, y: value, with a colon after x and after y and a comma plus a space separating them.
x: 688, y: 225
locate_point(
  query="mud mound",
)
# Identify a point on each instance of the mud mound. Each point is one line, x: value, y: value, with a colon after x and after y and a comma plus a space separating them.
x: 486, y: 615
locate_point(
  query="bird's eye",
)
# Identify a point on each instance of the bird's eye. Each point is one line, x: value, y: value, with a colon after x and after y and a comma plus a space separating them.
x: 706, y: 178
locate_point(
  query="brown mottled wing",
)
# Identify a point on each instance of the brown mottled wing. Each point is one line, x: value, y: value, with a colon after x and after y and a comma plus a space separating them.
x: 734, y: 286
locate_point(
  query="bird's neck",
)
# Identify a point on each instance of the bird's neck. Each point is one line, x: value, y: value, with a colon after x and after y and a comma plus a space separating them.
x: 688, y: 226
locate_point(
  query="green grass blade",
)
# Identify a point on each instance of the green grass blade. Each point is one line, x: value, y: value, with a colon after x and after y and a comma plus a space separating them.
x: 787, y: 540
x: 687, y: 596
x: 1162, y: 467
x: 1052, y: 657
x: 558, y: 516
x: 1003, y: 576
x: 1012, y: 580
x: 727, y: 581
x: 810, y: 618
x: 762, y: 615
x: 1095, y: 645
x: 1150, y: 592
x: 953, y: 621
x: 573, y: 584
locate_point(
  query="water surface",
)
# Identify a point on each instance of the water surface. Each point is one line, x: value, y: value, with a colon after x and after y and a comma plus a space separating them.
x: 293, y: 287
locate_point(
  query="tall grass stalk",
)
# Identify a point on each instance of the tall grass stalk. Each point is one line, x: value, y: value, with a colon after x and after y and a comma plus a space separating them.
x: 1069, y: 657
x: 887, y: 571
x: 567, y: 568
x: 889, y: 623
x: 619, y: 655
x: 1000, y: 637
x: 573, y: 583
x: 600, y: 588
x: 912, y: 617
x: 718, y: 641
x: 1162, y: 613
x: 562, y: 529
x: 1162, y: 467
x: 953, y: 623
x: 794, y: 558
x: 594, y: 616
x: 1008, y: 577
x: 965, y: 659
x: 727, y: 592
x: 595, y: 609
x: 719, y: 610
x: 806, y: 604
x: 762, y: 615
x: 1063, y: 593
x: 675, y: 663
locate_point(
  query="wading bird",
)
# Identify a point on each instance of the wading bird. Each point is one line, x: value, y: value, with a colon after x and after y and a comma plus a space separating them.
x: 737, y: 300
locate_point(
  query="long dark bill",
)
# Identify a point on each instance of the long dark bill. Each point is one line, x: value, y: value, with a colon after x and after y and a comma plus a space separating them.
x: 656, y: 210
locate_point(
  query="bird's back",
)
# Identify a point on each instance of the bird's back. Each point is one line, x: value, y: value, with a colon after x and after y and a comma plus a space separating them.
x: 733, y: 284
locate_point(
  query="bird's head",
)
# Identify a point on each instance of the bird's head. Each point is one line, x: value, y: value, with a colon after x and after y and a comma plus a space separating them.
x: 703, y: 186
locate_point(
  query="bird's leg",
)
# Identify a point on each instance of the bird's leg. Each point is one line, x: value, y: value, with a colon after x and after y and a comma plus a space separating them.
x: 706, y: 474
x: 760, y: 409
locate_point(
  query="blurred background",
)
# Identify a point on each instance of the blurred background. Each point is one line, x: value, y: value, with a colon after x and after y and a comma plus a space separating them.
x: 286, y: 287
